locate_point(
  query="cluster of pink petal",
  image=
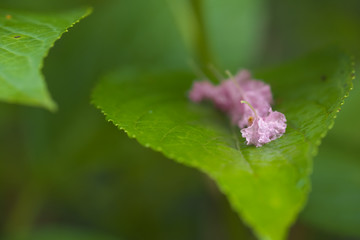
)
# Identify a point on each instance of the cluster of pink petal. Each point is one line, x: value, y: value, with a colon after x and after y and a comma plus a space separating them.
x: 259, y: 128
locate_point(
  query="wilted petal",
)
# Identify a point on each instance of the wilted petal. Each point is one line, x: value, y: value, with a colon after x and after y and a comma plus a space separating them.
x: 202, y: 90
x: 251, y: 134
x: 264, y: 130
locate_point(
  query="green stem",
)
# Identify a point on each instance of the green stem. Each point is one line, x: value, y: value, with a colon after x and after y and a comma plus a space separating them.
x: 24, y: 212
x: 202, y: 45
x: 189, y: 18
x: 252, y: 108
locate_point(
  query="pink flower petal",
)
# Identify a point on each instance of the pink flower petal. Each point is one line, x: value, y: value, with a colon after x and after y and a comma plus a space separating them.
x: 264, y: 130
x: 264, y: 126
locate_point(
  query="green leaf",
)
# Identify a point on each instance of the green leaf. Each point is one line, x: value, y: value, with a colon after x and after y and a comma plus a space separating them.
x: 267, y: 186
x: 25, y: 39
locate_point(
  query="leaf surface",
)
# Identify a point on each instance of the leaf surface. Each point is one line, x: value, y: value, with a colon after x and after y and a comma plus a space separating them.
x: 267, y: 186
x: 25, y: 39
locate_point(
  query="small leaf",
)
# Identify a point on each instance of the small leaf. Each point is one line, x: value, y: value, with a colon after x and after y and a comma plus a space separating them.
x: 25, y: 39
x: 267, y: 186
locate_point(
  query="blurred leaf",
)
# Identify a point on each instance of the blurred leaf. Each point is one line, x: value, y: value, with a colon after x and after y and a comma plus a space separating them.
x: 267, y: 186
x: 302, y: 26
x: 25, y: 40
x: 334, y: 202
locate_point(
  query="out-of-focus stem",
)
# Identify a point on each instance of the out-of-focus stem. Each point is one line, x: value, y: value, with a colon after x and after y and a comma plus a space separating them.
x: 202, y: 44
x: 189, y: 18
x: 23, y: 214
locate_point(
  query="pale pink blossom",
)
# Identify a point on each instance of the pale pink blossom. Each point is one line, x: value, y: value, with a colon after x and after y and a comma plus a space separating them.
x: 265, y: 129
x: 228, y: 96
x: 263, y: 125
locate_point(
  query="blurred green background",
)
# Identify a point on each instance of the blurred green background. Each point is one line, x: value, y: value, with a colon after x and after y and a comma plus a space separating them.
x: 72, y: 175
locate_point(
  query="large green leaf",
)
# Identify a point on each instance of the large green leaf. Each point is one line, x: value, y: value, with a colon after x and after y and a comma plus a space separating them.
x: 25, y: 39
x: 267, y: 186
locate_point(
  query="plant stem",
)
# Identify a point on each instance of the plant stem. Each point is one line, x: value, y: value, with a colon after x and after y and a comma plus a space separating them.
x: 24, y: 212
x: 202, y: 45
x: 189, y: 18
